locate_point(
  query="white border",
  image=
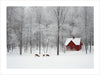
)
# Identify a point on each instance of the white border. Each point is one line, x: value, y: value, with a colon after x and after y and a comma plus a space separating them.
x: 28, y: 71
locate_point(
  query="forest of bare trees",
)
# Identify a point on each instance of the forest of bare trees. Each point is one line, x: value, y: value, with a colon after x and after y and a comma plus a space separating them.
x: 44, y: 27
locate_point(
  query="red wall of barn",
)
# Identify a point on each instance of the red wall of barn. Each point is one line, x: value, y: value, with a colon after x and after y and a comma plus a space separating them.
x: 71, y: 45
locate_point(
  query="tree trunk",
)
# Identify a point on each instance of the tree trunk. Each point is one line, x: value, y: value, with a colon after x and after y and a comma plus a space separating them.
x: 37, y: 46
x: 62, y: 42
x: 39, y: 42
x: 21, y: 41
x: 30, y: 41
x: 86, y: 45
x: 47, y: 46
x: 30, y: 46
x: 21, y: 46
x: 21, y: 27
x: 26, y: 45
x: 8, y: 48
x: 12, y: 47
x: 31, y: 35
x: 58, y: 40
x: 90, y: 42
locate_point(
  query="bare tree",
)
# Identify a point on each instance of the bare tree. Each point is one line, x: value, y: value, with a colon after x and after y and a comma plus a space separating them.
x: 60, y: 15
x: 16, y: 25
x: 86, y: 43
x: 19, y: 24
x: 90, y: 26
x: 39, y: 21
x: 9, y: 30
x: 31, y: 23
x: 21, y: 29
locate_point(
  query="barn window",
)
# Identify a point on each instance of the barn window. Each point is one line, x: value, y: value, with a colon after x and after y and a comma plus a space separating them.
x: 68, y: 47
x: 73, y: 47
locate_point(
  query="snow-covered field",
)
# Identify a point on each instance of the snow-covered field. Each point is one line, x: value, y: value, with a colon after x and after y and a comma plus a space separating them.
x: 69, y: 59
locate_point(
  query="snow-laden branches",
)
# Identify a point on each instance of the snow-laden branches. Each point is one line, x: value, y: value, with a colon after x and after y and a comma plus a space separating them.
x: 32, y: 27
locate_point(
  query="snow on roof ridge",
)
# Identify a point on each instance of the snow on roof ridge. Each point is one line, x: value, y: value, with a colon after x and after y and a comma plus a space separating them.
x: 75, y: 40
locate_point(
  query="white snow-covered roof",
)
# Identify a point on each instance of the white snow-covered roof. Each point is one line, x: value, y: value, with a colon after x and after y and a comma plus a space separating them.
x: 75, y: 40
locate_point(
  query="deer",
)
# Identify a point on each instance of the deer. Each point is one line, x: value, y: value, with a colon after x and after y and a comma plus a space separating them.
x: 37, y: 55
x: 43, y: 54
x: 47, y: 55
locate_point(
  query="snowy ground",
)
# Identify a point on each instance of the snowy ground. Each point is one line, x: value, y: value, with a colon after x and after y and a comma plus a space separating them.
x: 70, y: 59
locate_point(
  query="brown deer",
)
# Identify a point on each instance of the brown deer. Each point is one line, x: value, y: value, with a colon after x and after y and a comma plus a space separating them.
x: 43, y: 54
x: 47, y: 55
x: 37, y: 55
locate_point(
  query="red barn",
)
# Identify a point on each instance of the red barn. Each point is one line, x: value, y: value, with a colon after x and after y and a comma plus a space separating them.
x: 73, y: 43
